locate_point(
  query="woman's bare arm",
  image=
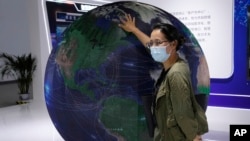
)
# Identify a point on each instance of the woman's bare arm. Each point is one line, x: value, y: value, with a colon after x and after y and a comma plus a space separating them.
x: 128, y: 24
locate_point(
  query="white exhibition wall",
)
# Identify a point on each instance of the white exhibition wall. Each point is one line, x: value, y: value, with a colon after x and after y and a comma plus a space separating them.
x: 14, y: 35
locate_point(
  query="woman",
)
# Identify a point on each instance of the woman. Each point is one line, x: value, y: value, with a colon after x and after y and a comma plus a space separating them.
x: 177, y: 114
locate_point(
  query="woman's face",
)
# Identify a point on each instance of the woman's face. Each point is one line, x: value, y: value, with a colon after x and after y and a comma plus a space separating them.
x: 157, y: 38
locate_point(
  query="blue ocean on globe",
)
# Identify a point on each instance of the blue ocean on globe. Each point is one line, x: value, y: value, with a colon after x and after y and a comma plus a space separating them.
x: 96, y: 76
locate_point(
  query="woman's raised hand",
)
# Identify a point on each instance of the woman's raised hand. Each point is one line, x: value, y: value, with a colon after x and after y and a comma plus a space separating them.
x: 128, y: 23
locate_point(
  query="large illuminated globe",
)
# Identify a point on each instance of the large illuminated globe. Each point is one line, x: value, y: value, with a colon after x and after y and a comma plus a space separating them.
x: 96, y: 76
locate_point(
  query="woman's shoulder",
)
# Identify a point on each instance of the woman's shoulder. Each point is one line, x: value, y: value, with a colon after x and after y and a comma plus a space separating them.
x: 180, y: 66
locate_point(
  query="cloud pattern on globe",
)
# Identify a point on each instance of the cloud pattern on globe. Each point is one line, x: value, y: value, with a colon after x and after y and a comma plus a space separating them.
x: 96, y: 76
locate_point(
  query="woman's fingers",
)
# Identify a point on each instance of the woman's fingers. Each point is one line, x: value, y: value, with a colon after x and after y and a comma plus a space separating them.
x: 127, y: 23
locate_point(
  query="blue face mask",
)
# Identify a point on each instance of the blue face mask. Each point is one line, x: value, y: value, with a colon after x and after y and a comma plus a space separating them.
x: 159, y: 53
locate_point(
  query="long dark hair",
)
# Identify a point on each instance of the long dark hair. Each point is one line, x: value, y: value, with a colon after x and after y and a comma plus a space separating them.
x: 171, y: 33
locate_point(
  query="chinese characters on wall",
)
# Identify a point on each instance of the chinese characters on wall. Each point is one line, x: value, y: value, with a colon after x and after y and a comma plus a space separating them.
x: 198, y: 21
